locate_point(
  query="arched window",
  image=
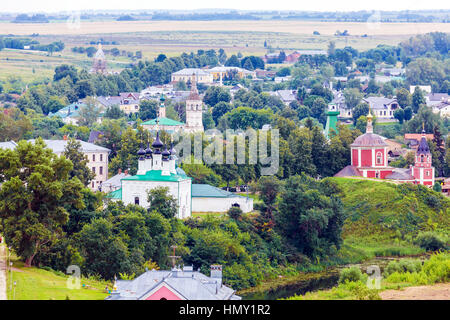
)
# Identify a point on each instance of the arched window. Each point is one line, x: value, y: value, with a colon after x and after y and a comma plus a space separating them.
x: 136, y: 200
x: 421, y: 158
x: 379, y: 158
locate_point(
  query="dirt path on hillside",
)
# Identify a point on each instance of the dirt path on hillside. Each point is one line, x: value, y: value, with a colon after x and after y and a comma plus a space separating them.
x: 439, y: 291
x: 2, y: 272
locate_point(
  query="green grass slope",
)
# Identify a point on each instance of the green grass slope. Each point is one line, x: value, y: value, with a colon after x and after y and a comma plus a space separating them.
x: 383, y: 212
x: 39, y: 284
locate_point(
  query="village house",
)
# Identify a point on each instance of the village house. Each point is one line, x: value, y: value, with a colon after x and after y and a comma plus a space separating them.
x: 338, y: 104
x: 129, y: 102
x: 265, y: 74
x: 156, y: 91
x: 69, y: 114
x: 412, y: 139
x: 192, y: 74
x: 220, y: 73
x: 287, y: 96
x: 382, y: 107
x: 443, y: 109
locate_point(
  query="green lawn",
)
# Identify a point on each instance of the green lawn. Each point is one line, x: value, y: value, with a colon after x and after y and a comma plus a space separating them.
x: 39, y: 284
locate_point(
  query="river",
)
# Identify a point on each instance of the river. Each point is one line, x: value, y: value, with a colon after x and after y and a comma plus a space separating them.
x: 313, y: 281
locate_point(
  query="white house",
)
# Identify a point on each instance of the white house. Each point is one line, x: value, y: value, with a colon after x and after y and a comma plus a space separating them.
x: 382, y: 107
x: 191, y: 75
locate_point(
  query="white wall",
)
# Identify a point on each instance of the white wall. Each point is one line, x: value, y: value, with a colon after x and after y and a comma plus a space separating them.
x: 209, y: 204
x: 179, y: 190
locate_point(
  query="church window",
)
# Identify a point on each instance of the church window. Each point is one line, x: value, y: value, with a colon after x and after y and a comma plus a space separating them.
x: 379, y: 158
x: 136, y: 200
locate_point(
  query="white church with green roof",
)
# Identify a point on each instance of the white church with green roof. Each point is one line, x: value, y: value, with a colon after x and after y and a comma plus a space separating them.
x: 157, y: 168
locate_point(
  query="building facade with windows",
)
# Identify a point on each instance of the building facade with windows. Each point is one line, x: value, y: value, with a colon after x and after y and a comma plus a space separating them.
x: 369, y: 159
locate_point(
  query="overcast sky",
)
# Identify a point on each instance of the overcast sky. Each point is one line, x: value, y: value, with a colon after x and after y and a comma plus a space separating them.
x: 316, y: 5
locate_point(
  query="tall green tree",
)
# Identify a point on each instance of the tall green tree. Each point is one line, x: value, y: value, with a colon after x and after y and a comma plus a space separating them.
x: 37, y: 187
x: 417, y: 99
x: 73, y: 152
x: 309, y: 218
x: 403, y: 97
x: 352, y: 97
x: 89, y: 113
x: 162, y: 202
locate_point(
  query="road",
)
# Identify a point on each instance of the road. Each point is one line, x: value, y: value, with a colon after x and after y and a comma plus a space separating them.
x: 2, y: 272
x: 439, y: 291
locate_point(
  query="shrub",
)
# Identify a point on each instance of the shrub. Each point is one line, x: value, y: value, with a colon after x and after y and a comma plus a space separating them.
x: 430, y: 241
x: 434, y: 270
x: 352, y: 274
x: 234, y: 213
x: 404, y: 265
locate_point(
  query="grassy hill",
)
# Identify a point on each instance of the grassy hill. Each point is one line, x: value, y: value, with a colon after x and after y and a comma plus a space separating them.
x: 383, y: 218
x: 43, y: 284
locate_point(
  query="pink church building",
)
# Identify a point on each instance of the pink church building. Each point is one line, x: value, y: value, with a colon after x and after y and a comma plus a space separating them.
x: 369, y: 160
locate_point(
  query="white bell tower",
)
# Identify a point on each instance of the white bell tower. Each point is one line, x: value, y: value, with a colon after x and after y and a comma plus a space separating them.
x: 194, y: 109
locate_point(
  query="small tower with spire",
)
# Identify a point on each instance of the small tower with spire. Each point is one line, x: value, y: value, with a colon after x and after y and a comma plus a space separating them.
x: 369, y: 127
x: 423, y: 170
x: 162, y: 107
x: 99, y: 63
x: 194, y: 109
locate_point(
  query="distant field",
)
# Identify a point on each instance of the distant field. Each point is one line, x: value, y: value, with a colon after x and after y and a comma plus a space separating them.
x: 297, y: 27
x: 174, y: 37
x: 35, y: 65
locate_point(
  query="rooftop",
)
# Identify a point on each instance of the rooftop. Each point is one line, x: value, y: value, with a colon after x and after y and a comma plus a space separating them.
x: 208, y: 191
x: 156, y: 175
x: 58, y: 146
x: 369, y: 140
x: 187, y: 283
x: 163, y: 122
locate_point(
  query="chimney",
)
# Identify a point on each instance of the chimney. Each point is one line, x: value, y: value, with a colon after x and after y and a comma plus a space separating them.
x: 216, y: 273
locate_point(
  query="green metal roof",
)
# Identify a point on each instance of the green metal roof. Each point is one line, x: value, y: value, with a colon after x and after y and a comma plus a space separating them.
x: 117, y: 194
x: 156, y: 175
x: 208, y: 191
x: 163, y: 122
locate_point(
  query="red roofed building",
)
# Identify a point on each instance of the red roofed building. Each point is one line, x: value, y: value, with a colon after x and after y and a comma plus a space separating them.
x: 369, y: 159
x: 293, y: 57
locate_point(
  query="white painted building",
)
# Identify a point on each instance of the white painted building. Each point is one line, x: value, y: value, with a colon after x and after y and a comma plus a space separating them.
x: 158, y: 168
x: 206, y: 198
